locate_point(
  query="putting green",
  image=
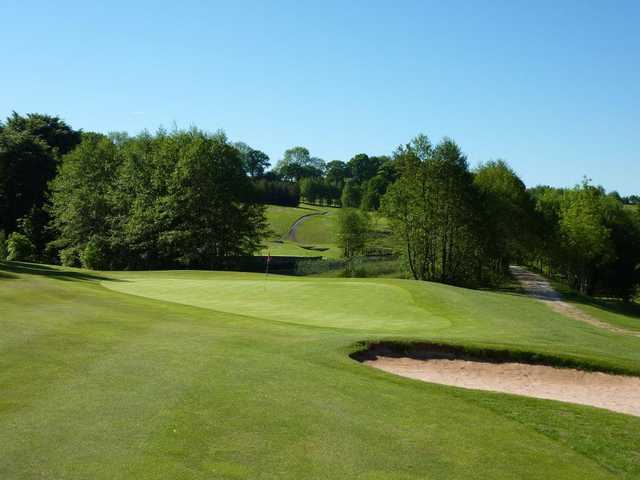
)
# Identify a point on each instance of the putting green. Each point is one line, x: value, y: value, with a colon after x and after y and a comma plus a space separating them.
x: 345, y: 304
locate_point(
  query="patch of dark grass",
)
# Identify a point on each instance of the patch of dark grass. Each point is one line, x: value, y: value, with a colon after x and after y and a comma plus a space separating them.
x: 12, y: 268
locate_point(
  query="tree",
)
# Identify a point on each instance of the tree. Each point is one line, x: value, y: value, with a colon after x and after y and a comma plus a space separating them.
x: 30, y: 150
x: 373, y: 192
x: 254, y: 161
x: 432, y: 209
x: 363, y: 167
x: 353, y: 232
x: 508, y: 213
x: 585, y: 234
x: 297, y: 163
x: 82, y: 206
x: 351, y: 195
x: 337, y: 172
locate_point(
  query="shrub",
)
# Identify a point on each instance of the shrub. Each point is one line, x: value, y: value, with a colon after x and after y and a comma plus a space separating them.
x: 70, y: 257
x: 19, y: 248
x: 94, y: 255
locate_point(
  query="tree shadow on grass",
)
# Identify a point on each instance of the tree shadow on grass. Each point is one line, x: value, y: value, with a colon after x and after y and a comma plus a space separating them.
x: 629, y: 309
x: 8, y: 270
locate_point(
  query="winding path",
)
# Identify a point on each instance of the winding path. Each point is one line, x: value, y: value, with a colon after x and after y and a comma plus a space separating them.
x: 538, y: 287
x: 293, y: 231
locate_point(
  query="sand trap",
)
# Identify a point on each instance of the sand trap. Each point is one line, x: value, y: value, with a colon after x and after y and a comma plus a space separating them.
x: 614, y: 392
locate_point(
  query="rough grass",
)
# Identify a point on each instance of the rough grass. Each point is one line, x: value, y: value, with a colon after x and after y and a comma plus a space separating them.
x: 199, y: 375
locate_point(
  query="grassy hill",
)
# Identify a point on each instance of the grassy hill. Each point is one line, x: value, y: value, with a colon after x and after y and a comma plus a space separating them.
x: 201, y: 375
x: 315, y: 237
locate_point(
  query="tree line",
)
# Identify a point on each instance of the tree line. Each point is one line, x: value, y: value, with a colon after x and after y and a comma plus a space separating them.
x: 193, y: 199
x: 465, y: 227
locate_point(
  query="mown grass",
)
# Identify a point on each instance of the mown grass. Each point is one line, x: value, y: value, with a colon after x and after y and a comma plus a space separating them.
x: 200, y: 375
x: 281, y: 218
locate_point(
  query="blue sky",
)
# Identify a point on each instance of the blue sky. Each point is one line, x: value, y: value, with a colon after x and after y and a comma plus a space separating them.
x: 552, y: 87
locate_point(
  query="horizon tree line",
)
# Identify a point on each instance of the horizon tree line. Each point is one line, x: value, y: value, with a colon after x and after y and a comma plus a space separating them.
x: 190, y: 198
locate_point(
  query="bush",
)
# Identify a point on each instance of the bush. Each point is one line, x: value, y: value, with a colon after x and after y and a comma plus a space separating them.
x: 19, y: 248
x: 70, y: 257
x: 94, y: 255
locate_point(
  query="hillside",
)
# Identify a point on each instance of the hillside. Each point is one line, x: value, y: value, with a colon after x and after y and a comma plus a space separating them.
x: 315, y: 235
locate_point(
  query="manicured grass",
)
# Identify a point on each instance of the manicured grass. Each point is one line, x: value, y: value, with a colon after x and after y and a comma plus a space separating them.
x: 281, y: 218
x: 312, y: 241
x: 199, y: 375
x: 319, y: 230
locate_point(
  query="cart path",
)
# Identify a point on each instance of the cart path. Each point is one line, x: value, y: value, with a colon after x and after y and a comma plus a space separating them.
x: 538, y: 287
x: 293, y: 231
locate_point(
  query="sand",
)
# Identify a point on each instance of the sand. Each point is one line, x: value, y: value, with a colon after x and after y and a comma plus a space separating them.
x: 618, y: 393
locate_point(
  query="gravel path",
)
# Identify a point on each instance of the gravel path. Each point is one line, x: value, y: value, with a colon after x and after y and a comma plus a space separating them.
x: 538, y: 287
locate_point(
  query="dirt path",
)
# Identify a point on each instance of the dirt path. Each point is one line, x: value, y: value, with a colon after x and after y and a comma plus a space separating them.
x: 293, y: 231
x: 537, y: 287
x: 614, y: 392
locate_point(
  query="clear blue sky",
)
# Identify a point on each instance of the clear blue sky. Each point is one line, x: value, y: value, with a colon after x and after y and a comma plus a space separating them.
x: 552, y: 87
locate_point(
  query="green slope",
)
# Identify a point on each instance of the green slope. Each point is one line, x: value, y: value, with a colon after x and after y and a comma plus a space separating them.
x: 310, y: 242
x: 199, y: 375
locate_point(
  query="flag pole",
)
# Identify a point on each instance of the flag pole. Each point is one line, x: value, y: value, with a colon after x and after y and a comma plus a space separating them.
x: 266, y: 270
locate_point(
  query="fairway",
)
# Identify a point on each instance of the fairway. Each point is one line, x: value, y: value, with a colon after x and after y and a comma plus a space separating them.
x: 226, y: 375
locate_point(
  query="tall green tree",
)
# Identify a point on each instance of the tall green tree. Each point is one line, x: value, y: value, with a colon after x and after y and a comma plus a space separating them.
x: 298, y: 163
x: 354, y: 227
x: 508, y: 214
x: 30, y: 149
x: 351, y: 195
x: 432, y: 208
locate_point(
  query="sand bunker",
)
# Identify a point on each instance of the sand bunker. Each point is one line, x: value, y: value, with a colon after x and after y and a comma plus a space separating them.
x: 618, y: 393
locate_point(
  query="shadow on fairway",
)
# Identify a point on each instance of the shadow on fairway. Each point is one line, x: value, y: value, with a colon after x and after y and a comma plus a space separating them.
x: 9, y: 269
x: 630, y: 309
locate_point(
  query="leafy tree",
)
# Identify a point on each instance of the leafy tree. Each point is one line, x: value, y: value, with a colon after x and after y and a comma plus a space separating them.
x: 508, y: 214
x: 585, y: 234
x: 354, y: 227
x: 337, y: 172
x: 81, y: 207
x: 363, y: 167
x: 254, y: 161
x: 297, y: 163
x: 432, y: 209
x: 351, y: 195
x: 375, y: 189
x: 30, y: 150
